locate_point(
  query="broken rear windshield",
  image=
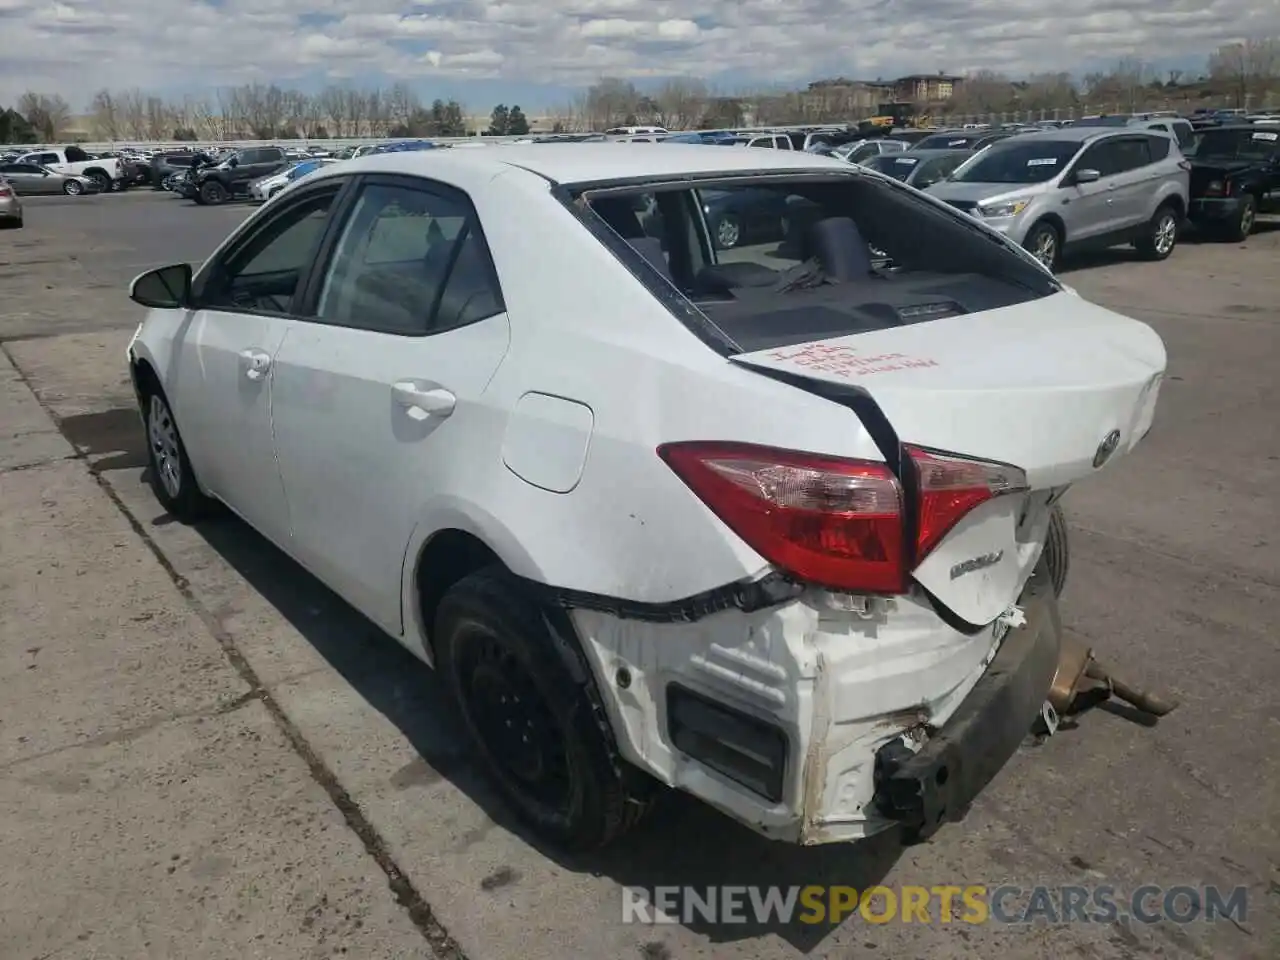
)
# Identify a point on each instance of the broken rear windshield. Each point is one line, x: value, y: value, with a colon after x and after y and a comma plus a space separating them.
x: 781, y: 259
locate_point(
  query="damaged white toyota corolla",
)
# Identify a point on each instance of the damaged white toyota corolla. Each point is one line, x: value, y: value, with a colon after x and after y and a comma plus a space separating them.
x: 718, y: 469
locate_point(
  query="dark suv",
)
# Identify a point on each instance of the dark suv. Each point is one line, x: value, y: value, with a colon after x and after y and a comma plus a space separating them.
x: 230, y: 179
x: 1235, y: 175
x: 164, y: 165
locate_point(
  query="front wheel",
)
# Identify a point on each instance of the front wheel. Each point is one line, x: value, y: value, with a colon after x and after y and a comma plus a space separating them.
x: 213, y: 193
x: 172, y: 478
x: 1044, y: 243
x: 728, y: 232
x: 1243, y: 226
x: 538, y: 724
x: 1161, y: 235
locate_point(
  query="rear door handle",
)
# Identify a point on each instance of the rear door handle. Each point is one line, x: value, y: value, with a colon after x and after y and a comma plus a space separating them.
x: 255, y: 363
x: 422, y: 399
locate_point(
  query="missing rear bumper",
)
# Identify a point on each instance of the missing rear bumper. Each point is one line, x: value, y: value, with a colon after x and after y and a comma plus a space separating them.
x: 925, y: 789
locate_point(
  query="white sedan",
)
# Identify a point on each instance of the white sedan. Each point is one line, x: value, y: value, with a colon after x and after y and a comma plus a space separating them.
x: 767, y: 525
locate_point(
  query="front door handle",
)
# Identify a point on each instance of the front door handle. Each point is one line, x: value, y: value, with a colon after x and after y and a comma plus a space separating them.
x: 421, y: 399
x: 255, y: 363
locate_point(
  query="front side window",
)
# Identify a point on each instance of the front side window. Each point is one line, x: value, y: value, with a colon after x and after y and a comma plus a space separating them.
x: 410, y: 262
x: 262, y: 276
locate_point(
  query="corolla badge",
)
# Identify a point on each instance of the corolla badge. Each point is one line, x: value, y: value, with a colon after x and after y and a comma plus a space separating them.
x: 1106, y: 448
x: 976, y: 563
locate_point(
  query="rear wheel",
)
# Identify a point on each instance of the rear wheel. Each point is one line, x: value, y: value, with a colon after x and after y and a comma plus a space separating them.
x: 1161, y: 235
x: 531, y: 709
x: 1056, y: 554
x: 1045, y: 244
x: 72, y: 188
x: 103, y: 180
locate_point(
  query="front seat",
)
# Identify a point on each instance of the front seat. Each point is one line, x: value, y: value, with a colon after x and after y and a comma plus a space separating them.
x: 838, y: 246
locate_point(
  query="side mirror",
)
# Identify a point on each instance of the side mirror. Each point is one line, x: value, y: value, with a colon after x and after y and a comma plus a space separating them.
x: 233, y: 162
x: 168, y: 288
x: 1086, y: 176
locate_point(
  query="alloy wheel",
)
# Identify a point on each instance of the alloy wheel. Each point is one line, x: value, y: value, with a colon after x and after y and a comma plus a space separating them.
x: 1166, y: 234
x: 162, y: 434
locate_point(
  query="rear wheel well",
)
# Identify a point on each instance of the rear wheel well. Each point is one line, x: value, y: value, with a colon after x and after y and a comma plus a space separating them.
x: 445, y: 559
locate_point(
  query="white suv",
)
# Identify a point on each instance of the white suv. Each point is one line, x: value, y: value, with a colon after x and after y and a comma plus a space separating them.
x: 766, y: 524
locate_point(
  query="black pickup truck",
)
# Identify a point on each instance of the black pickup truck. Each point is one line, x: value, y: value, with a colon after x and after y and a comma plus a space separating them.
x: 229, y: 179
x: 1235, y: 175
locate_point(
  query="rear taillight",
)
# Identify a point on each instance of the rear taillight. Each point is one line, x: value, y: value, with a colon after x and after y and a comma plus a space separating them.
x: 1217, y: 188
x: 948, y: 487
x: 834, y: 522
x: 5, y: 191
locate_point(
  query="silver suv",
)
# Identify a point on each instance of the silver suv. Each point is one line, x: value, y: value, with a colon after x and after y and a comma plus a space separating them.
x: 1063, y: 191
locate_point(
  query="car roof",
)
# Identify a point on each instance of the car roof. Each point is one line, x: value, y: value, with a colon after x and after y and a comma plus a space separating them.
x: 569, y: 163
x: 1077, y: 134
x: 928, y: 153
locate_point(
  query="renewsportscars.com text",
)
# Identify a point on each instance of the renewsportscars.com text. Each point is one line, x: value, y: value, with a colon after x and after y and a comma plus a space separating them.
x: 969, y: 904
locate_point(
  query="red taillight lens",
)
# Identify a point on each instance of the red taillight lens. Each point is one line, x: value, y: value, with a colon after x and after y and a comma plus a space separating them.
x: 834, y: 522
x: 949, y: 487
x: 830, y: 521
x: 5, y: 192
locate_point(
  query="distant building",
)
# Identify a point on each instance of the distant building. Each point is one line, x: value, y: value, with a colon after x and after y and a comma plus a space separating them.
x: 924, y: 88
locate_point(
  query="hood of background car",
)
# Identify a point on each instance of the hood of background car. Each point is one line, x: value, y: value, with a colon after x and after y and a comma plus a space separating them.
x: 980, y: 192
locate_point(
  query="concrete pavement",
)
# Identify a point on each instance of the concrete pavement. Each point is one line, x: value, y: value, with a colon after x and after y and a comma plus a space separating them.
x: 194, y: 695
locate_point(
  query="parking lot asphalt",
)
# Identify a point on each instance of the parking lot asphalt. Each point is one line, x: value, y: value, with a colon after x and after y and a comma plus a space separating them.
x: 205, y: 754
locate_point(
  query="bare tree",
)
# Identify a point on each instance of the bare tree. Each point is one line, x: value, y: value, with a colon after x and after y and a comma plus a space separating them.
x: 333, y: 102
x: 1245, y: 69
x: 356, y: 111
x: 133, y: 114
x: 105, y: 113
x: 611, y: 102
x: 314, y: 116
x: 202, y: 119
x: 681, y: 103
x: 400, y: 104
x: 983, y: 91
x: 159, y: 119
x: 47, y: 114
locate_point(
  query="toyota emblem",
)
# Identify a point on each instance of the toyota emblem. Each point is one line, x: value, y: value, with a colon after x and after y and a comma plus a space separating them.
x: 1106, y: 448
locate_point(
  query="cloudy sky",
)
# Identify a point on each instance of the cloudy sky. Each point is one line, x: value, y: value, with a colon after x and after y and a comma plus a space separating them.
x: 538, y: 52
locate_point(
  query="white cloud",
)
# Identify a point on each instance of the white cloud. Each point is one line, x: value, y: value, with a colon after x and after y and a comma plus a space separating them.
x: 76, y: 46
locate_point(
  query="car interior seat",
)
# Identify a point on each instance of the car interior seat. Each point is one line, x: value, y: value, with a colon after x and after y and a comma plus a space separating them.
x: 838, y: 246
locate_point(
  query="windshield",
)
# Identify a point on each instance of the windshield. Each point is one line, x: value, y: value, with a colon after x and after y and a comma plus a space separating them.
x: 1024, y: 161
x: 1235, y: 144
x: 944, y: 141
x: 896, y: 165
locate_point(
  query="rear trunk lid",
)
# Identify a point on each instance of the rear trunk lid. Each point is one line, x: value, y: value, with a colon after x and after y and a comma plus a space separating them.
x: 1057, y: 387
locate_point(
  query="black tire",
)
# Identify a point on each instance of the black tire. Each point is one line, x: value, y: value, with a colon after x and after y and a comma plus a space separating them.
x: 1239, y: 231
x: 499, y: 655
x: 1057, y: 554
x: 1044, y: 242
x: 104, y: 180
x: 72, y: 188
x: 212, y: 193
x: 168, y: 467
x: 1161, y: 235
x: 727, y: 232
x: 11, y: 224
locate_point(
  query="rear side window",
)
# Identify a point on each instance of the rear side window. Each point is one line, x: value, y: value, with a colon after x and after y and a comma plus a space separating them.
x: 410, y: 262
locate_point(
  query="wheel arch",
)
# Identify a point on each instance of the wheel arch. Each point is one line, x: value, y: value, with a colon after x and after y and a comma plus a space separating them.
x: 456, y: 538
x: 1054, y: 221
